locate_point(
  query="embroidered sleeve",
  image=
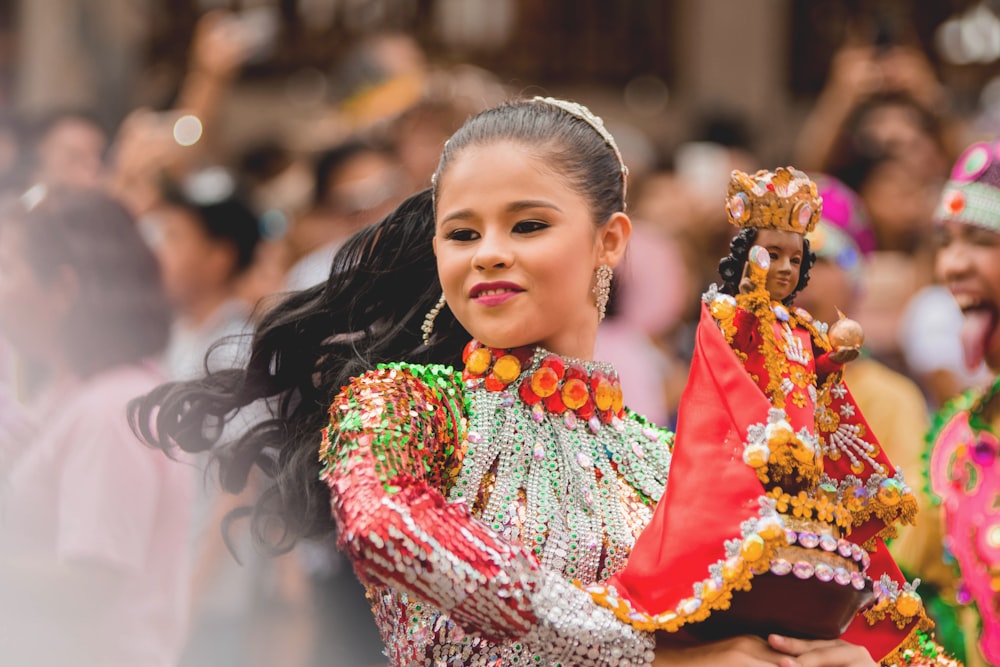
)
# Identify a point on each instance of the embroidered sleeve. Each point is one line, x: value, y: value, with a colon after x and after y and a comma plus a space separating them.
x: 745, y: 324
x: 920, y: 650
x: 825, y: 367
x: 389, y: 454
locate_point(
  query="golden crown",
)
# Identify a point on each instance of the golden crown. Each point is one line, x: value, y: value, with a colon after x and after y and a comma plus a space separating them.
x: 786, y: 200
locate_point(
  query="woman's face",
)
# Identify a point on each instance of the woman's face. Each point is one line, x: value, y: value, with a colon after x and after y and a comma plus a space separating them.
x: 191, y: 262
x: 72, y: 154
x: 968, y: 261
x: 517, y: 250
x: 31, y: 311
x: 898, y: 128
x: 900, y: 205
x: 785, y: 250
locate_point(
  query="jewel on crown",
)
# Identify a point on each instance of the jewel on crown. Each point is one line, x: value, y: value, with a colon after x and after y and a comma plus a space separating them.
x: 786, y: 200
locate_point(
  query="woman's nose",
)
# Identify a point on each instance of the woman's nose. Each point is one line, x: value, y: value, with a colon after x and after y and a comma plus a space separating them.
x: 493, y: 252
x: 952, y: 262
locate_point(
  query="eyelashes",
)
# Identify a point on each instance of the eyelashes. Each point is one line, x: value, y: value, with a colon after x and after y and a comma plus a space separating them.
x: 529, y: 226
x: 462, y: 235
x: 523, y: 227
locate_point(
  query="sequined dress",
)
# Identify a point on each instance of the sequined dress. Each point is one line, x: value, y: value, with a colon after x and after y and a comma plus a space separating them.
x: 470, y: 501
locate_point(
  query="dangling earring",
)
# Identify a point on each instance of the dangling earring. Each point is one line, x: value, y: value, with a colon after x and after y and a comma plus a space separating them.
x: 602, y: 289
x: 428, y: 326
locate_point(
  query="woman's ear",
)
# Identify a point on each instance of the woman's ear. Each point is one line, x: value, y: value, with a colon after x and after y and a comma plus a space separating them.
x: 612, y: 239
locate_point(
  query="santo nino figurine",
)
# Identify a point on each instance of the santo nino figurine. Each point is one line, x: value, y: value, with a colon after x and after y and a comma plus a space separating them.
x: 780, y: 496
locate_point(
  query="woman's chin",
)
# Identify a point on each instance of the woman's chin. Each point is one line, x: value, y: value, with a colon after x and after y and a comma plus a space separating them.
x: 992, y: 357
x: 991, y: 347
x: 500, y: 341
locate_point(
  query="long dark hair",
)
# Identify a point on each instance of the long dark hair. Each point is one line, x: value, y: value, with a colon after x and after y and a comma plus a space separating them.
x: 731, y: 266
x: 382, y: 283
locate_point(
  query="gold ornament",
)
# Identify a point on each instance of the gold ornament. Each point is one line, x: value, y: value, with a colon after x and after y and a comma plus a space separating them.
x: 846, y: 333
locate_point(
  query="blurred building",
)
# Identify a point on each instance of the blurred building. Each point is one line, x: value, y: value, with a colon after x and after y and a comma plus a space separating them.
x: 659, y: 64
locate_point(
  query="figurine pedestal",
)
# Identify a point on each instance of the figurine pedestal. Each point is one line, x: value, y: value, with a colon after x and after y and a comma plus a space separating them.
x: 785, y: 605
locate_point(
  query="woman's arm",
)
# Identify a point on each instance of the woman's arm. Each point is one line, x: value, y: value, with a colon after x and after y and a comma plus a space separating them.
x: 15, y: 426
x: 145, y: 147
x: 854, y: 75
x: 392, y: 448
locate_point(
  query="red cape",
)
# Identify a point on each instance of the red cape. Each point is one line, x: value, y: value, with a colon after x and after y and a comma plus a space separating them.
x: 711, y: 492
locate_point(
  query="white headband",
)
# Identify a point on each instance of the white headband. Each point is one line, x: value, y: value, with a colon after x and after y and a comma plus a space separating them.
x: 587, y: 116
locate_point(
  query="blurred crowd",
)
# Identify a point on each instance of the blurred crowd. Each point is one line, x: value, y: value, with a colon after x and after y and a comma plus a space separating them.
x: 150, y: 243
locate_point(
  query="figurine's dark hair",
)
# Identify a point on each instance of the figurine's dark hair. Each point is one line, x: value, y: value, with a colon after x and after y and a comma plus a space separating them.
x: 731, y: 266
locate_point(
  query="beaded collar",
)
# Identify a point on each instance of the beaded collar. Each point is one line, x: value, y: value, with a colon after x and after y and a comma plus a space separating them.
x: 550, y: 384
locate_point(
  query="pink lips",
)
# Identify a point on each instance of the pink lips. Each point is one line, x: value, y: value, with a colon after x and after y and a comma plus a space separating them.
x: 494, y: 294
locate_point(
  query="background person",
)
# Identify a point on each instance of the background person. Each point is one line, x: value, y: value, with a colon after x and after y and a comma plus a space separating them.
x: 94, y: 561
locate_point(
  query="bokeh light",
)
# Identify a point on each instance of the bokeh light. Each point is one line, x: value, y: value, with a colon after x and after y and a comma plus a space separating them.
x: 187, y: 130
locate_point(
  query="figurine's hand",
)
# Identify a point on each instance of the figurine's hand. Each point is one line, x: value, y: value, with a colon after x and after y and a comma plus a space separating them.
x: 755, y: 270
x: 844, y: 354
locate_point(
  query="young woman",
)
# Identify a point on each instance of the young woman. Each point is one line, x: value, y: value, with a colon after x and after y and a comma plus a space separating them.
x: 964, y: 464
x: 470, y: 483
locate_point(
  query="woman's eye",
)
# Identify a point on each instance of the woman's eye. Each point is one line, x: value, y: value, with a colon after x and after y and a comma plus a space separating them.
x: 773, y: 256
x: 462, y: 235
x: 528, y: 226
x: 942, y: 239
x: 983, y: 237
x: 796, y: 261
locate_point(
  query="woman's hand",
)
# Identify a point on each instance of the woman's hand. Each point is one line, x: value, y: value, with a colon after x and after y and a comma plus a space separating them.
x: 778, y: 650
x: 908, y: 70
x: 744, y: 651
x: 855, y: 73
x: 221, y: 44
x: 820, y: 653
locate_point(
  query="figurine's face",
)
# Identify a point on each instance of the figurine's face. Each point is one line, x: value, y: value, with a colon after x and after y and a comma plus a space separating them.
x: 968, y: 260
x: 785, y: 250
x: 517, y: 249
